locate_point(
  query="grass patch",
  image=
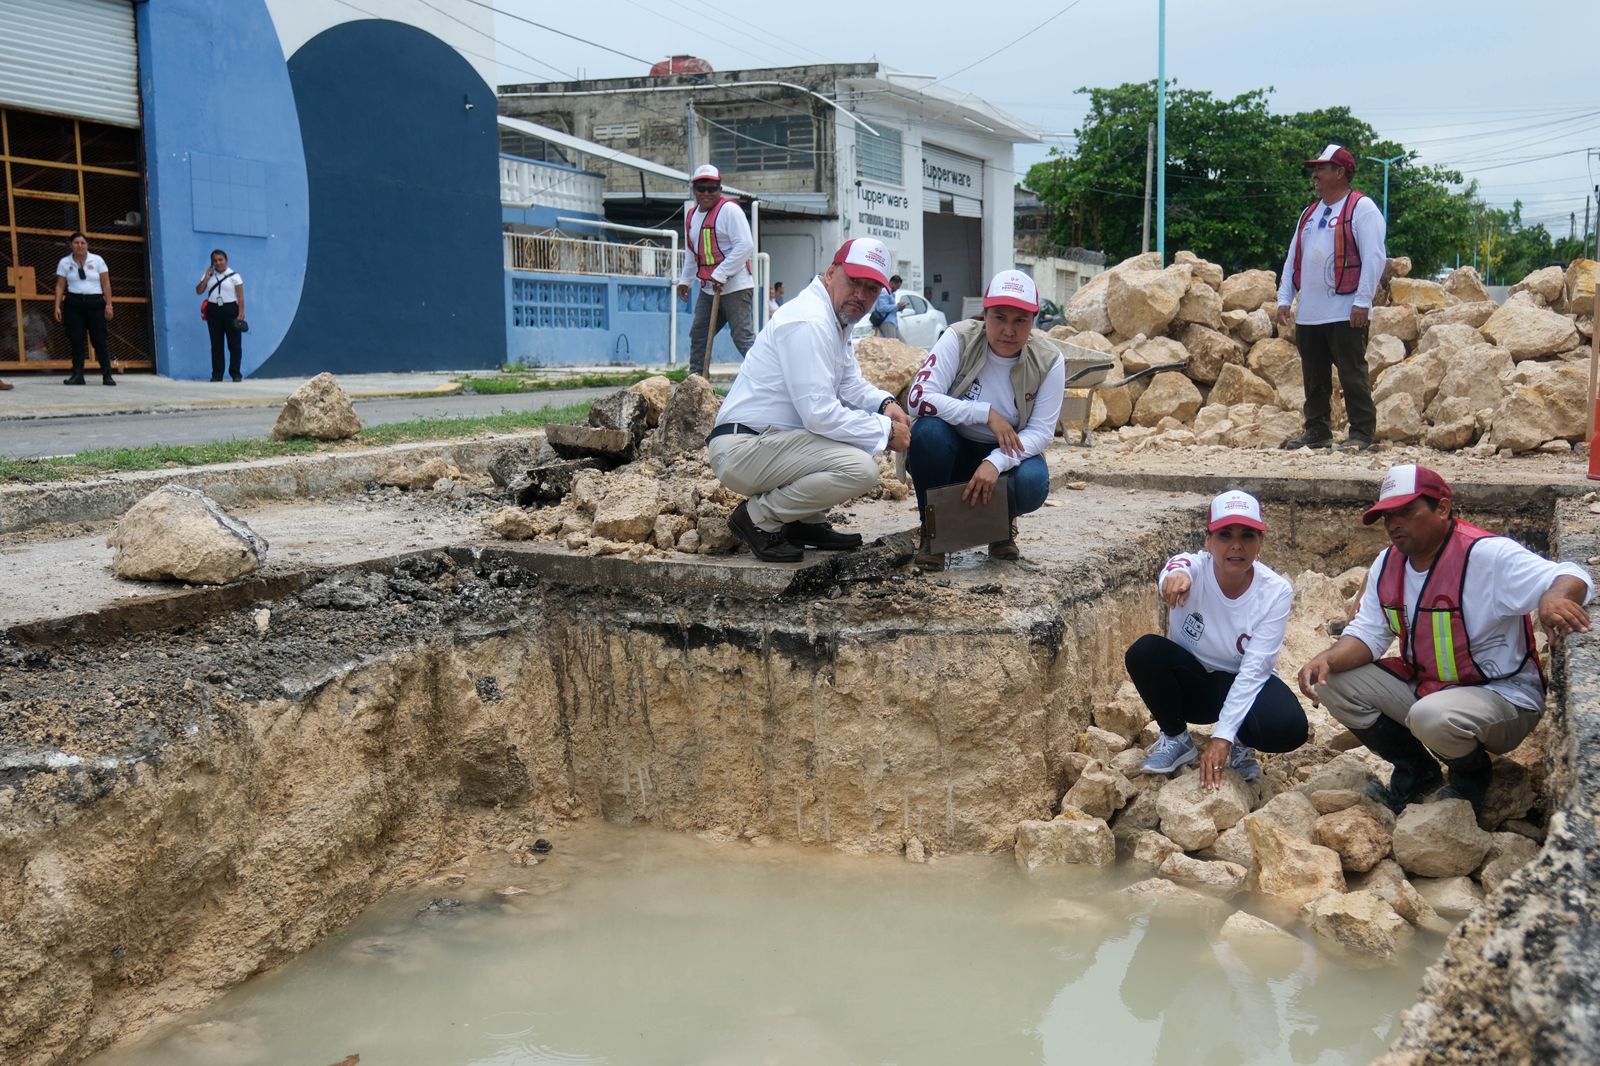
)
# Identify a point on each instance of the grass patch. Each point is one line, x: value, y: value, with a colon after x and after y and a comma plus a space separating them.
x: 539, y: 381
x: 104, y: 461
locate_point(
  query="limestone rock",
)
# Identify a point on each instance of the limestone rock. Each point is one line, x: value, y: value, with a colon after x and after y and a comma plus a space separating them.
x: 656, y: 390
x: 1549, y: 284
x: 1473, y: 373
x: 1416, y: 293
x: 1357, y: 836
x: 1455, y: 424
x: 1209, y: 351
x: 1100, y: 744
x: 1400, y: 419
x: 1242, y: 926
x: 1418, y: 377
x: 1201, y: 304
x: 1086, y: 310
x: 1237, y: 385
x: 180, y: 534
x: 1530, y: 332
x: 1331, y: 800
x: 1221, y: 877
x: 1192, y: 817
x: 1508, y: 853
x: 1125, y: 714
x: 1249, y: 289
x: 1398, y: 267
x: 1074, y: 837
x: 1159, y: 891
x: 1469, y: 314
x: 1156, y: 351
x: 1383, y: 351
x: 320, y: 410
x: 1392, y: 321
x: 1204, y: 271
x: 1512, y: 794
x: 512, y: 523
x: 889, y: 364
x: 1151, y: 848
x: 1144, y: 301
x: 690, y: 414
x: 669, y: 528
x: 1452, y: 898
x: 1099, y: 792
x: 1360, y: 922
x: 1139, y: 815
x: 1170, y: 395
x: 1447, y: 338
x: 713, y: 535
x: 627, y: 509
x: 1465, y: 284
x: 1257, y: 326
x: 1093, y: 341
x: 1232, y: 845
x: 1292, y: 870
x: 1439, y: 839
x: 1579, y: 285
x: 424, y: 475
x: 1541, y: 405
x: 1348, y: 770
x: 1275, y: 361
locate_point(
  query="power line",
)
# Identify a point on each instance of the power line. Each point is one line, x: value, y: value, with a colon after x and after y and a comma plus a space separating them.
x: 1009, y: 43
x: 561, y: 33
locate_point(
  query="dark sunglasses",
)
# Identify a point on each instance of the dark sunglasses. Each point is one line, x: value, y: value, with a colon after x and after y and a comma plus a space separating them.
x: 706, y: 186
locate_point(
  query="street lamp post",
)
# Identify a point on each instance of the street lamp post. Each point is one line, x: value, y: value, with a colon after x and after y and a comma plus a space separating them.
x: 1386, y: 162
x: 1161, y: 132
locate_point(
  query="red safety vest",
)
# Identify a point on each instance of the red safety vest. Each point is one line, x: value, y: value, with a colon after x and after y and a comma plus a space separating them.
x: 1346, y: 256
x: 1443, y: 657
x: 707, y: 252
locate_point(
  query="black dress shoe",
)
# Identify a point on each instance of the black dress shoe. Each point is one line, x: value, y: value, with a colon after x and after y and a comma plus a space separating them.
x: 214, y: 377
x: 108, y: 380
x: 768, y: 547
x: 76, y: 379
x: 236, y: 377
x: 820, y: 535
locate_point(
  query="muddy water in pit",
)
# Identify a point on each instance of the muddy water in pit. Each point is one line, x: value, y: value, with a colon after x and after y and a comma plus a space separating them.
x: 639, y: 946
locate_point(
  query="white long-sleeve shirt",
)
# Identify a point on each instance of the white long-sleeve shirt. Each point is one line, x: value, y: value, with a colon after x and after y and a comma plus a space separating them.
x: 801, y: 374
x: 969, y: 414
x: 736, y: 243
x: 1504, y: 582
x: 1242, y: 637
x: 1319, y: 304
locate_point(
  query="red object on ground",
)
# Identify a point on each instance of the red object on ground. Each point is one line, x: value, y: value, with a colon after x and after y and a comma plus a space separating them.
x: 680, y: 65
x: 1594, y: 459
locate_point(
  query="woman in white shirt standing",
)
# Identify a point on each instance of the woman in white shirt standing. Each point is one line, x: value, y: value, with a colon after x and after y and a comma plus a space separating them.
x: 83, y: 306
x: 224, y: 292
x: 1229, y: 616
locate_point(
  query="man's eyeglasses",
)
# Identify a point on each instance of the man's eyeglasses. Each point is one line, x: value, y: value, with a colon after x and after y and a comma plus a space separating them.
x: 706, y: 187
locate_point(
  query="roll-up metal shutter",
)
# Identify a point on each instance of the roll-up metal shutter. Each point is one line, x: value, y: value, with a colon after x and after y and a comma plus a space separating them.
x: 70, y: 57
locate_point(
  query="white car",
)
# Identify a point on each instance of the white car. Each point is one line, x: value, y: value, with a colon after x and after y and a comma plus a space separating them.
x: 920, y: 322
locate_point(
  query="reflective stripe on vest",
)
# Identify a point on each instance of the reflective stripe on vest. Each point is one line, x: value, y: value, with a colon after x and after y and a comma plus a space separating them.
x: 1444, y: 657
x: 707, y: 252
x: 1346, y: 255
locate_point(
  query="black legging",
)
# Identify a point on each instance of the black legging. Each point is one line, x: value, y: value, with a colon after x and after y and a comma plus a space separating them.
x: 219, y: 321
x: 1179, y: 690
x: 83, y: 314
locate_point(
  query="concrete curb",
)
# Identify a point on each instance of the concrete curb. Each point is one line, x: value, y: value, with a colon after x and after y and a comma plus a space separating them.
x: 451, y: 389
x: 230, y: 484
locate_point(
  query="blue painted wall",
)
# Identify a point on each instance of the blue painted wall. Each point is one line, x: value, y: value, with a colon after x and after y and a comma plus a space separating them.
x: 215, y: 88
x: 594, y: 320
x: 403, y: 266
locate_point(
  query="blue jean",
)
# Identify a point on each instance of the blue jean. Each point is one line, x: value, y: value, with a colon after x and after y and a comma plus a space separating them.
x: 941, y: 456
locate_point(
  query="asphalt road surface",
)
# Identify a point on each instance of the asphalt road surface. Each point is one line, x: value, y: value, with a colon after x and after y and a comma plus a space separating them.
x: 32, y: 438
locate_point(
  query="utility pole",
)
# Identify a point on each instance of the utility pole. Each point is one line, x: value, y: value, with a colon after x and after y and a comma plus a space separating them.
x: 1386, y: 162
x: 1149, y: 166
x: 1586, y: 200
x: 691, y: 124
x: 1161, y: 131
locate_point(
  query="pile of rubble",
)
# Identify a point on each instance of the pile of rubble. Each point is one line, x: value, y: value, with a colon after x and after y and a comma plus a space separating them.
x: 1304, y: 836
x: 1450, y: 368
x: 635, y: 479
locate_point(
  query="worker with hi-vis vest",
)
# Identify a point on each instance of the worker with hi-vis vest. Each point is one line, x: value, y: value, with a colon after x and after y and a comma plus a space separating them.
x: 717, y: 236
x: 1467, y: 680
x: 1335, y: 262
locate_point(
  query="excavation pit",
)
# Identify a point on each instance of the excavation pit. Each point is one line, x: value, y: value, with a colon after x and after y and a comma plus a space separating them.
x: 191, y: 802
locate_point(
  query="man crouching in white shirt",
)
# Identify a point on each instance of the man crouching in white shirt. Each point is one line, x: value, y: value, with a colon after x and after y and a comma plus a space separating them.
x: 800, y: 428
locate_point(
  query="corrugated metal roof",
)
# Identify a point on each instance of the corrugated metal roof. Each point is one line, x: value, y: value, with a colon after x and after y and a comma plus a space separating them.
x: 70, y: 57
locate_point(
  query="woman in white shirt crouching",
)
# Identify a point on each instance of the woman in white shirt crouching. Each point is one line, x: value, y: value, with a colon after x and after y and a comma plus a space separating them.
x: 224, y: 292
x: 1226, y: 629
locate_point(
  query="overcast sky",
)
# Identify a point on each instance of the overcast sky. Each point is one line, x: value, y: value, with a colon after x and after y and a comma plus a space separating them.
x: 1485, y: 88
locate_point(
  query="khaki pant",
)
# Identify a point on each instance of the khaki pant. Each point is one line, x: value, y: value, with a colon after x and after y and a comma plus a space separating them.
x: 791, y: 475
x: 1451, y: 722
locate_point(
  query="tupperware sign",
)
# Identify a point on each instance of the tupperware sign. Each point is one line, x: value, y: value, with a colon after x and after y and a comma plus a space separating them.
x: 949, y: 173
x: 882, y: 214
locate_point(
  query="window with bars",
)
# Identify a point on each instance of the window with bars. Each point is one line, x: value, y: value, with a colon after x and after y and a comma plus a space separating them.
x: 750, y: 145
x: 880, y: 158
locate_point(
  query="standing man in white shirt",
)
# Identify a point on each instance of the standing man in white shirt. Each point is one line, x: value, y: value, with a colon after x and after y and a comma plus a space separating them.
x: 720, y: 249
x: 1335, y: 261
x: 1468, y: 680
x: 800, y: 429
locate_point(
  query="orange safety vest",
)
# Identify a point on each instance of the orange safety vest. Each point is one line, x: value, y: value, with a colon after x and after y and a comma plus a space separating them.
x: 1346, y: 256
x: 1443, y: 657
x: 707, y: 252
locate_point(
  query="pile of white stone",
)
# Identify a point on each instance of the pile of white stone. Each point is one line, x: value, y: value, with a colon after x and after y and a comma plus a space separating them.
x: 1450, y: 368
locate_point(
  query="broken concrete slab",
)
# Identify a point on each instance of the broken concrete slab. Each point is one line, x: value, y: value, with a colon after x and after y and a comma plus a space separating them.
x: 590, y: 442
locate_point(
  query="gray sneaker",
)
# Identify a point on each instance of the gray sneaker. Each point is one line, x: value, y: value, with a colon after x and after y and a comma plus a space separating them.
x: 1242, y: 761
x: 1169, y: 753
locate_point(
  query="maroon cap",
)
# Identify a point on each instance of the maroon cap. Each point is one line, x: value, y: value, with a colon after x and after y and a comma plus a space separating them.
x: 864, y: 259
x: 1338, y: 156
x: 1401, y: 485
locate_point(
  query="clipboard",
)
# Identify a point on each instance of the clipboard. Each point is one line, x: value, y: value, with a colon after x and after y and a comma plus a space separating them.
x: 953, y: 525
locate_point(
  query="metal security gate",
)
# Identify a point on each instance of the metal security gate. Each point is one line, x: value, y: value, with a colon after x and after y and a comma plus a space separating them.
x: 70, y: 57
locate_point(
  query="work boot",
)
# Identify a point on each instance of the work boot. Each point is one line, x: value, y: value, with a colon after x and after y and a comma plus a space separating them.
x: 107, y: 379
x: 1006, y: 549
x: 1469, y: 778
x: 1306, y: 440
x: 1415, y: 772
x: 820, y: 535
x: 927, y: 558
x: 75, y: 379
x: 768, y: 547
